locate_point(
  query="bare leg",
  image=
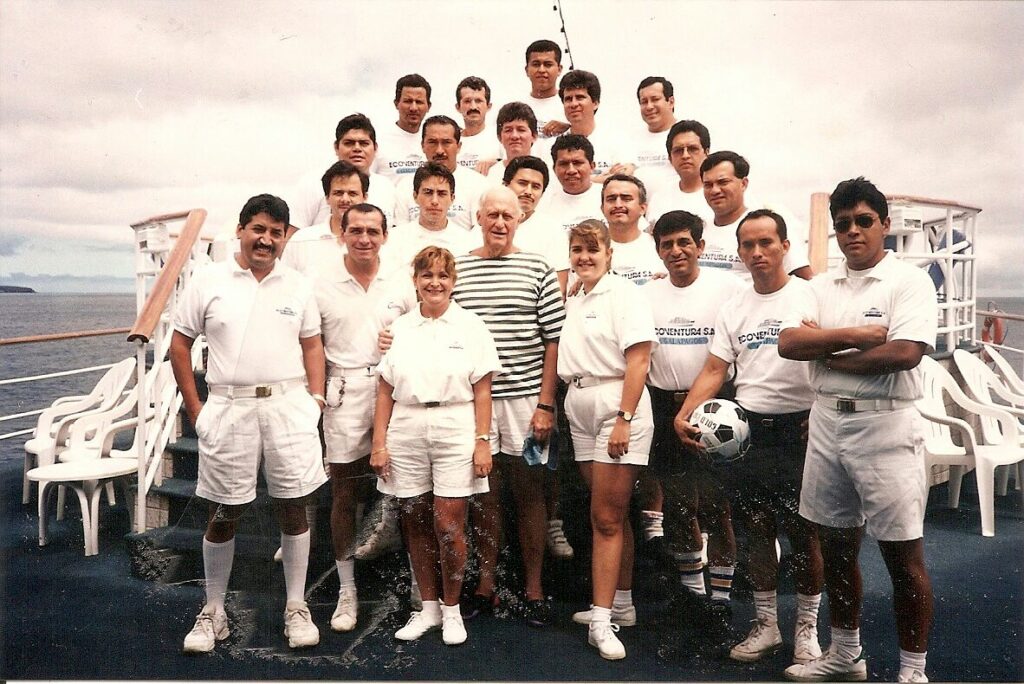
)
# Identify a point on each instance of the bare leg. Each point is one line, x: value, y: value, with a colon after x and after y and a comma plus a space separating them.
x: 528, y: 492
x: 450, y: 534
x: 418, y: 523
x: 349, y: 487
x: 611, y: 487
x: 486, y: 516
x: 840, y: 548
x: 911, y: 592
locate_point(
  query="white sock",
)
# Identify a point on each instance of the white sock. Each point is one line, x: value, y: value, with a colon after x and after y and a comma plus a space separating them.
x: 847, y: 642
x: 807, y: 607
x: 295, y: 558
x: 766, y: 606
x: 432, y: 609
x: 217, y: 561
x: 691, y: 572
x: 346, y: 573
x: 623, y: 598
x: 721, y: 582
x: 910, y: 661
x: 450, y: 611
x: 652, y: 524
x: 599, y: 615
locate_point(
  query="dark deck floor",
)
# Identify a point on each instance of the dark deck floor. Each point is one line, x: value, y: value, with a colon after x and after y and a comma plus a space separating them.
x: 69, y: 617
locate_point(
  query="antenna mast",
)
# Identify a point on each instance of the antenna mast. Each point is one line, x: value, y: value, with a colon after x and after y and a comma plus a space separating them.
x: 561, y: 18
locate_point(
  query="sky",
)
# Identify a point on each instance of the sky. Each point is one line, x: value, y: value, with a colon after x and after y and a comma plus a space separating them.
x: 111, y: 112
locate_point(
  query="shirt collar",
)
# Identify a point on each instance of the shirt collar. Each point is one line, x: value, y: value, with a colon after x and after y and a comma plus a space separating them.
x: 883, y: 270
x: 236, y: 269
x: 447, y: 317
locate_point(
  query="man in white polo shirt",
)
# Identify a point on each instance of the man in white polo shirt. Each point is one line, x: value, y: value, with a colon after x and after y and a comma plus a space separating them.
x: 687, y: 143
x: 577, y: 198
x: 400, y: 152
x: 864, y: 327
x: 266, y: 378
x: 356, y: 299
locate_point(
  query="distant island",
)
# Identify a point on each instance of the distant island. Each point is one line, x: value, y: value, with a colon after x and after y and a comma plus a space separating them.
x: 12, y: 289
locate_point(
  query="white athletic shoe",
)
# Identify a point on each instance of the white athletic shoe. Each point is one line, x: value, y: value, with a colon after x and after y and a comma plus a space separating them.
x: 911, y: 676
x: 623, y: 617
x: 344, y: 618
x: 764, y: 638
x: 557, y: 544
x: 830, y: 667
x: 385, y: 538
x: 805, y: 643
x: 299, y: 627
x: 453, y: 632
x: 419, y: 624
x: 211, y: 626
x: 602, y: 635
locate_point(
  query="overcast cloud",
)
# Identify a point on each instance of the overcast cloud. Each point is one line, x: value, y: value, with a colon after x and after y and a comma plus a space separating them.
x: 111, y: 112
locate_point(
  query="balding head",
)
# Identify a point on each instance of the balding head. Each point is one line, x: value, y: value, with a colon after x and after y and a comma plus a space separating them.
x: 499, y: 216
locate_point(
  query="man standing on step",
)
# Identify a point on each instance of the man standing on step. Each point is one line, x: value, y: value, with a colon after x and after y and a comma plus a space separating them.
x: 266, y: 378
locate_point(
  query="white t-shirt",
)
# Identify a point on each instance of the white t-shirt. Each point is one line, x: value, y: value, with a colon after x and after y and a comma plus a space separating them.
x: 399, y: 153
x: 314, y: 250
x: 721, y: 250
x: 893, y: 294
x: 540, y: 235
x: 460, y: 350
x: 608, y: 149
x: 600, y: 325
x: 684, y: 321
x: 406, y: 240
x: 483, y: 145
x: 546, y: 109
x: 648, y: 150
x: 252, y: 327
x: 469, y: 186
x: 664, y: 195
x: 747, y: 334
x: 567, y: 210
x: 637, y: 260
x: 308, y: 207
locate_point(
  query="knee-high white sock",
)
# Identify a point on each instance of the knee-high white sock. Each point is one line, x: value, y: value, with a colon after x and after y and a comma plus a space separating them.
x: 295, y: 558
x: 347, y: 573
x: 766, y: 606
x: 691, y: 572
x: 217, y: 561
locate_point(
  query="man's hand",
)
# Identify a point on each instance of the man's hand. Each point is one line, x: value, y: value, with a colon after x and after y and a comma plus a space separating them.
x: 484, y: 165
x: 870, y: 336
x: 553, y: 128
x: 688, y: 433
x: 194, y: 417
x: 384, y: 340
x: 541, y: 424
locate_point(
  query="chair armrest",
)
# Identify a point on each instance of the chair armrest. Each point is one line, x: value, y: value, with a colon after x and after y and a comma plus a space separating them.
x: 965, y: 429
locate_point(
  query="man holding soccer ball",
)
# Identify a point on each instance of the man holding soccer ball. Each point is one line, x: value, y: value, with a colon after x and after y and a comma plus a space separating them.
x: 776, y: 395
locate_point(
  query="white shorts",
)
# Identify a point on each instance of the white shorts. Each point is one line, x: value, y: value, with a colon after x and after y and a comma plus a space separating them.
x: 432, y: 450
x: 235, y: 435
x: 592, y: 412
x: 348, y: 417
x: 510, y: 423
x: 866, y: 466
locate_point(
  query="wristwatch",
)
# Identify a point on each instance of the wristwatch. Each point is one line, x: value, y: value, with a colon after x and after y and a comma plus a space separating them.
x: 484, y: 438
x: 626, y: 416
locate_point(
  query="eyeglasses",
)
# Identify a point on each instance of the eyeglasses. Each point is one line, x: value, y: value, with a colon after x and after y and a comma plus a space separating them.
x: 863, y: 221
x: 692, y: 150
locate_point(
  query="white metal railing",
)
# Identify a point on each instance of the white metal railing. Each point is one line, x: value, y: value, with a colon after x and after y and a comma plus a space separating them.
x: 35, y: 378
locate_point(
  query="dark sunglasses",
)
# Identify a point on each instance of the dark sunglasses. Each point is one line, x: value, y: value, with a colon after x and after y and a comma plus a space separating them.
x: 863, y: 221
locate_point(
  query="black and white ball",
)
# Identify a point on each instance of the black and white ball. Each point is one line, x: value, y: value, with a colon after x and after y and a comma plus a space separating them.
x: 724, y: 431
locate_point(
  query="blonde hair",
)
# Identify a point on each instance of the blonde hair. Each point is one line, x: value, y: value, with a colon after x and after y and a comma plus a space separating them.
x: 591, y: 232
x: 428, y: 256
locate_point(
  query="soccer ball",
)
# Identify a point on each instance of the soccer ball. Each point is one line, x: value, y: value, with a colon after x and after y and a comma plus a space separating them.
x: 724, y: 431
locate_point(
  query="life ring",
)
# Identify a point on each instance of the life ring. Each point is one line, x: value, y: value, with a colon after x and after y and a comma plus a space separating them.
x: 993, y: 330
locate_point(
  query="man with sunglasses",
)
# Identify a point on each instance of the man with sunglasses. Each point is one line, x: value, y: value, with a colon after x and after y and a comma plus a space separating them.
x: 864, y: 331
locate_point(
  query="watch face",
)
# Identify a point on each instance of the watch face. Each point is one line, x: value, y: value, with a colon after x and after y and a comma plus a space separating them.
x: 626, y: 416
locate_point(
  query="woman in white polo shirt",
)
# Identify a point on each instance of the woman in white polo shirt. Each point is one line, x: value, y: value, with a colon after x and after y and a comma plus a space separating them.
x: 603, y: 355
x: 431, y: 434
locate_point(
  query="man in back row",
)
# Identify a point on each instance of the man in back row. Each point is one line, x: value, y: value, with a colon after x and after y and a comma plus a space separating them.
x: 473, y: 102
x: 401, y: 148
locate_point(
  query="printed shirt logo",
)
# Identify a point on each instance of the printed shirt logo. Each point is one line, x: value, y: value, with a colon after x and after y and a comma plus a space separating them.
x: 287, y: 311
x: 681, y: 330
x: 767, y: 332
x: 456, y: 345
x: 873, y: 313
x: 591, y: 316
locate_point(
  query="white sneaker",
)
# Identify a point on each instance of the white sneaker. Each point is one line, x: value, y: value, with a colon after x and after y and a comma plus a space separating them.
x: 299, y: 627
x: 557, y: 544
x: 419, y: 624
x: 764, y: 639
x: 602, y: 635
x: 453, y: 632
x: 830, y: 667
x: 911, y: 676
x: 805, y: 643
x: 279, y: 555
x: 623, y: 617
x: 344, y: 618
x: 211, y: 626
x: 385, y: 538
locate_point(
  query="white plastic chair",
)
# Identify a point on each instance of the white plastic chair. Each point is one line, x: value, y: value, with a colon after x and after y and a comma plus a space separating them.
x: 51, y: 431
x: 1007, y: 374
x: 996, y: 448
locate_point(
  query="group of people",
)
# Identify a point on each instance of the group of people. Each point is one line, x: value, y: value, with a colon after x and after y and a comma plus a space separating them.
x: 442, y: 312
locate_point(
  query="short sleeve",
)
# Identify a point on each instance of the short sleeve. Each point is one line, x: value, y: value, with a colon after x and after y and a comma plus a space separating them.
x: 485, y: 354
x: 550, y: 309
x: 190, y: 316
x: 913, y: 311
x: 805, y: 306
x: 310, y: 315
x: 633, y: 317
x: 721, y: 344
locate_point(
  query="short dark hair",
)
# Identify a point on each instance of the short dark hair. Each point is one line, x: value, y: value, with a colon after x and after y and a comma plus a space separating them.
x: 440, y: 120
x: 666, y: 86
x: 544, y: 45
x: 688, y: 126
x: 526, y: 162
x: 675, y: 221
x: 343, y: 169
x: 411, y: 81
x: 851, y: 192
x: 364, y: 208
x: 741, y: 165
x: 473, y: 83
x: 516, y: 111
x: 432, y: 170
x: 580, y: 79
x: 625, y: 177
x: 572, y: 141
x: 780, y: 223
x: 355, y: 122
x: 274, y: 207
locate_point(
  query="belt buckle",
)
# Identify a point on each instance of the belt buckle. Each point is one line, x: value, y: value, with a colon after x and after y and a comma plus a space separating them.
x: 679, y: 398
x: 767, y: 422
x: 578, y: 381
x: 846, y: 405
x: 431, y: 404
x: 263, y: 391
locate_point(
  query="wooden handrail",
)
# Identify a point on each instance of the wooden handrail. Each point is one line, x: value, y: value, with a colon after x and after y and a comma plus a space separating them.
x: 147, y: 319
x: 163, y: 218
x: 50, y: 337
x: 948, y: 204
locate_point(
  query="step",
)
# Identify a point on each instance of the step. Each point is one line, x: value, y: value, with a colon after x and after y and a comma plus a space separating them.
x: 184, y: 453
x: 175, y: 554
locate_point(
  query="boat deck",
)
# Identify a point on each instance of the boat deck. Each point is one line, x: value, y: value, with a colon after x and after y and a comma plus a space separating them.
x: 70, y: 617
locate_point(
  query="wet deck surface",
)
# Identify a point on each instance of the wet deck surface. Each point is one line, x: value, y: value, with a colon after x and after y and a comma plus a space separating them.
x: 65, y: 616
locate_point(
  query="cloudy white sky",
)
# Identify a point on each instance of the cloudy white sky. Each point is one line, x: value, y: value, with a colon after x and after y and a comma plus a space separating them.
x: 111, y: 112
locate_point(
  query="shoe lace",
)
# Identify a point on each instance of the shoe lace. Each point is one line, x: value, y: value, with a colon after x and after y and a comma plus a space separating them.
x: 759, y: 625
x: 806, y: 630
x: 204, y: 622
x: 300, y: 614
x: 601, y: 628
x: 557, y: 535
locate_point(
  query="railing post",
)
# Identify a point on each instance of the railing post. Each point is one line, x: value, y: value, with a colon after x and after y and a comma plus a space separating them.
x: 141, y: 408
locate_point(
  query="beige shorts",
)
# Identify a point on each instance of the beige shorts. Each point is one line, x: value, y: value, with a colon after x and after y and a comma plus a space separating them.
x: 348, y: 417
x: 592, y: 412
x: 510, y: 423
x: 432, y: 450
x: 237, y: 436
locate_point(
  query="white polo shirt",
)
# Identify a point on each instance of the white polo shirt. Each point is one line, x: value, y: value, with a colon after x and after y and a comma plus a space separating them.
x: 684, y: 321
x: 308, y: 206
x: 252, y: 327
x: 893, y: 294
x: 721, y: 249
x: 458, y: 346
x: 747, y: 334
x: 406, y: 240
x: 399, y: 153
x: 637, y: 260
x: 567, y: 210
x: 313, y: 250
x: 469, y: 186
x: 351, y: 317
x: 600, y: 325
